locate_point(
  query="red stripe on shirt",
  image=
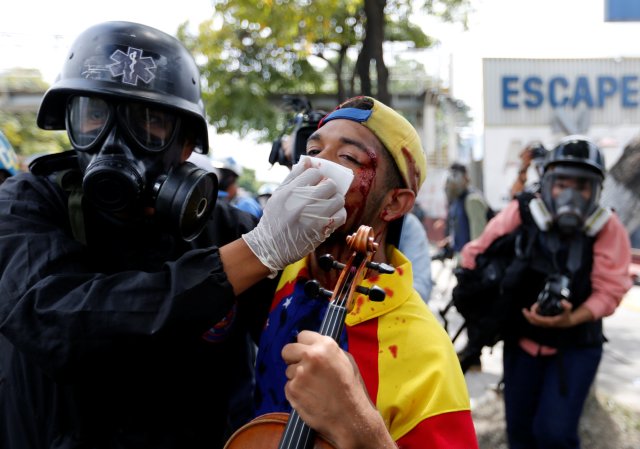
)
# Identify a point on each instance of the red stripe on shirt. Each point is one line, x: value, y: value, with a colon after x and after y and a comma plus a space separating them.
x: 453, y: 430
x: 363, y: 346
x: 287, y: 288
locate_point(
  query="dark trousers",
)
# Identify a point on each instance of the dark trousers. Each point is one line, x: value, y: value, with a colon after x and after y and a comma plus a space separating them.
x: 544, y: 396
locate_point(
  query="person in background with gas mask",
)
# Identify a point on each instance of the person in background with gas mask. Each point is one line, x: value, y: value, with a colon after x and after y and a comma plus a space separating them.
x: 467, y: 216
x: 467, y: 211
x: 571, y: 270
x: 121, y: 314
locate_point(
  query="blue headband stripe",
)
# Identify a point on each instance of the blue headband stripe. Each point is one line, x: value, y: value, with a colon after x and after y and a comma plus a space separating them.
x: 353, y: 114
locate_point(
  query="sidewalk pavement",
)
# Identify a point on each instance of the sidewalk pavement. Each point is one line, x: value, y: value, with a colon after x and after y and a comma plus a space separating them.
x: 619, y: 373
x: 618, y: 376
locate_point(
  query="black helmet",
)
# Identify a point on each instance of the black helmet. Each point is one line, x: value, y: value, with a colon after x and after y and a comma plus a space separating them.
x: 133, y: 61
x: 579, y: 158
x: 579, y: 152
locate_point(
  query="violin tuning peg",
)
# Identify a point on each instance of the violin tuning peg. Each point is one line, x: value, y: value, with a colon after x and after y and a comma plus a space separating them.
x: 381, y: 268
x: 312, y: 289
x: 375, y: 293
x: 327, y: 262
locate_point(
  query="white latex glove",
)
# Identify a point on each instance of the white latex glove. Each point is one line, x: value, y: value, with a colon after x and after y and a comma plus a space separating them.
x: 302, y: 212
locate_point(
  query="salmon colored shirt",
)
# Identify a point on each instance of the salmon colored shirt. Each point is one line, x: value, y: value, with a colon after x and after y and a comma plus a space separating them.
x: 610, y: 278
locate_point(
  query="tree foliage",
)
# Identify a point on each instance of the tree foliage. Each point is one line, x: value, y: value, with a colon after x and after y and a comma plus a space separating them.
x: 253, y: 51
x: 20, y: 128
x: 27, y: 139
x: 248, y: 181
x: 377, y: 14
x: 23, y: 80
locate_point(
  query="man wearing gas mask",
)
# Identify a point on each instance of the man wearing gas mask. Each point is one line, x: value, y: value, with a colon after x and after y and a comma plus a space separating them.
x: 569, y: 269
x: 467, y: 210
x: 122, y: 321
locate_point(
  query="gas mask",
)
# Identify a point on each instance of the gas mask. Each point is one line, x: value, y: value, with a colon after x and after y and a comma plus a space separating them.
x: 455, y: 185
x: 569, y: 211
x: 130, y: 156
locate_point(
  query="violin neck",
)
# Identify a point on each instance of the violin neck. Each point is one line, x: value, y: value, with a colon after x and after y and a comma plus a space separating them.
x: 333, y: 321
x: 297, y: 434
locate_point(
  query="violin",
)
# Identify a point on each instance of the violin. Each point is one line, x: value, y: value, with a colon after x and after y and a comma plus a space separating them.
x: 288, y: 430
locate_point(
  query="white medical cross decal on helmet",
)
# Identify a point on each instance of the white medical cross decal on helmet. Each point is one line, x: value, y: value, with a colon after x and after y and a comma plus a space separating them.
x: 132, y: 66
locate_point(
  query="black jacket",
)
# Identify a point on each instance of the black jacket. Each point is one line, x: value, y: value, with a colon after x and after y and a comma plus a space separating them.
x: 101, y: 346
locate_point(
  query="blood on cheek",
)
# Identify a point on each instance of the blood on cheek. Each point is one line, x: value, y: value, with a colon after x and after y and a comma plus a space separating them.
x: 360, y: 188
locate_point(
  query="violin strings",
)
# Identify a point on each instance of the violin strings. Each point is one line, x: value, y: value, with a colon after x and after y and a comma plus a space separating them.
x: 331, y: 326
x: 299, y: 429
x: 335, y: 315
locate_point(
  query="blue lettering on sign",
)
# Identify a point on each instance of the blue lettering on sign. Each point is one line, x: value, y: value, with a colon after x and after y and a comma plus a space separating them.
x: 607, y: 87
x: 582, y: 93
x: 508, y: 92
x: 557, y: 85
x: 629, y: 91
x: 560, y: 91
x: 534, y: 96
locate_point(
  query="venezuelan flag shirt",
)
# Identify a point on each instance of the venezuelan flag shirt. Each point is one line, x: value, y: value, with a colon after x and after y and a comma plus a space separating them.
x: 405, y: 357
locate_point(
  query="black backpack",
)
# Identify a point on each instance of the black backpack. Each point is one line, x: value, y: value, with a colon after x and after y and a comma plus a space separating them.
x: 477, y: 297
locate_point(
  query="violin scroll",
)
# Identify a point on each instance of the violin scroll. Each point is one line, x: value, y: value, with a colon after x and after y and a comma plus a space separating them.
x: 364, y: 247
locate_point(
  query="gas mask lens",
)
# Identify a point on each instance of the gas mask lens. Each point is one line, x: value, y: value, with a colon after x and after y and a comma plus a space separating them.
x: 90, y: 118
x: 152, y: 128
x: 87, y: 119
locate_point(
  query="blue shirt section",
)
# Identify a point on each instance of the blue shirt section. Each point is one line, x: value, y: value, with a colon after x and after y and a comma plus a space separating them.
x: 248, y: 204
x: 244, y: 203
x: 458, y: 224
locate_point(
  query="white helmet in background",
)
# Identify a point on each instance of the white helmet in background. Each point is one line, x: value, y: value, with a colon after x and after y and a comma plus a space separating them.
x: 264, y: 193
x: 267, y: 189
x: 203, y: 161
x: 228, y: 163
